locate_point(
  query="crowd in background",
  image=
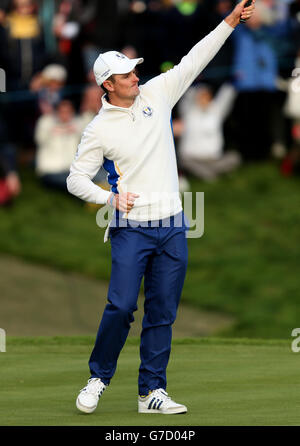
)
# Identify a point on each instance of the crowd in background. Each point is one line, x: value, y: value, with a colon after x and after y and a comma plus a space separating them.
x: 245, y: 106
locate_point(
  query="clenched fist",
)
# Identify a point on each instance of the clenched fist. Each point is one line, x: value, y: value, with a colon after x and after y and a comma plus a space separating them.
x: 124, y: 202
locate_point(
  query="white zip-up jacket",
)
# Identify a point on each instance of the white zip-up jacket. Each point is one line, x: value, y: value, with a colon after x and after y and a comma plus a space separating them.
x: 135, y: 145
x: 55, y: 150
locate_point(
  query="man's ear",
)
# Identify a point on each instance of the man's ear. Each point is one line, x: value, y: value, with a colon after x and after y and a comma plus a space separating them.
x: 108, y: 85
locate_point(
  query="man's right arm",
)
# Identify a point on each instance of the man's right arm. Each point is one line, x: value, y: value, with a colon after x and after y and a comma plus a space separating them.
x: 87, y: 162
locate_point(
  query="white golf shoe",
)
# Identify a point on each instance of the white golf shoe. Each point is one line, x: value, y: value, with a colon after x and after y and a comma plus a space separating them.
x: 159, y: 402
x: 88, y: 397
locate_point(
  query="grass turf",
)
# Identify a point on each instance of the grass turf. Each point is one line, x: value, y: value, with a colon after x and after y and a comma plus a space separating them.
x: 224, y: 382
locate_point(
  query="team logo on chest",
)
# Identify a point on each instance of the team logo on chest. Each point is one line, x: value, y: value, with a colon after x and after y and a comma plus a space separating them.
x: 147, y: 112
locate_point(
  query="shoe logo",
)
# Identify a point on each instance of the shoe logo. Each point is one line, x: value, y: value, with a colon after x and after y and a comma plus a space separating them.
x: 147, y: 112
x: 156, y: 403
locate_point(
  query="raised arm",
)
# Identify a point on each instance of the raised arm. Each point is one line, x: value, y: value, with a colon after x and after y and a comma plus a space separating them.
x: 224, y: 99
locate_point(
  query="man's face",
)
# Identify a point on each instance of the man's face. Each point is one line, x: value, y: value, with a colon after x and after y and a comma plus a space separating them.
x: 125, y: 86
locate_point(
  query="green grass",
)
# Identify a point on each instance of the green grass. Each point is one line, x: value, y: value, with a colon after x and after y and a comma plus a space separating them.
x: 224, y: 382
x: 246, y: 265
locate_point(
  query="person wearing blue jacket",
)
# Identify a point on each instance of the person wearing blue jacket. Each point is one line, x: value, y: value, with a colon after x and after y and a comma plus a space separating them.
x: 255, y: 71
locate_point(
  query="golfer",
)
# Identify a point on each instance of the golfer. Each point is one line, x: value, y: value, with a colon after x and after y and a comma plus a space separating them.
x: 132, y: 138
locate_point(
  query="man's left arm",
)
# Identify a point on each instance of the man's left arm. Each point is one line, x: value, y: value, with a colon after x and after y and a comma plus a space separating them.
x: 176, y: 81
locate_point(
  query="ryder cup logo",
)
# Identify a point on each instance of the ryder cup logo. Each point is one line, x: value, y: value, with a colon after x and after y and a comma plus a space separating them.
x: 120, y: 56
x: 147, y: 112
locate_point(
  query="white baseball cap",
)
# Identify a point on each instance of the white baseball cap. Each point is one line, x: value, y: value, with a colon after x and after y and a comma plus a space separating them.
x: 113, y: 62
x: 55, y: 72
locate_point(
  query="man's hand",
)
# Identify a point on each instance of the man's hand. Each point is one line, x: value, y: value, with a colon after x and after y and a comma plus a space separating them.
x: 240, y: 12
x: 123, y: 202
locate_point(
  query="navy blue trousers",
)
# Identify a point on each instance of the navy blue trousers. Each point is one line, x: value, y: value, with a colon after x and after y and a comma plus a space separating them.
x: 159, y: 254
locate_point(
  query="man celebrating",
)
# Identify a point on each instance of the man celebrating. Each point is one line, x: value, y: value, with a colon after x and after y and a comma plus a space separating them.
x: 132, y: 138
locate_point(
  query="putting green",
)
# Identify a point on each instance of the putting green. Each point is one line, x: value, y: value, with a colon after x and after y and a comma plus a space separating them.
x: 222, y: 382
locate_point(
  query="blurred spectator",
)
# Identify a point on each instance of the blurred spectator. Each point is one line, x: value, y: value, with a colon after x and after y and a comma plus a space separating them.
x: 292, y: 86
x: 23, y: 42
x: 90, y: 104
x: 65, y: 25
x: 10, y: 185
x: 280, y: 34
x: 255, y: 72
x: 83, y: 28
x: 291, y: 163
x: 23, y: 53
x: 47, y: 9
x: 202, y: 143
x: 275, y: 15
x: 66, y: 28
x: 57, y: 136
x: 49, y: 84
x: 4, y: 7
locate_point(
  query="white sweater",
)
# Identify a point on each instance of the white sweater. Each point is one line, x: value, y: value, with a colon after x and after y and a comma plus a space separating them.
x: 136, y: 145
x: 55, y: 150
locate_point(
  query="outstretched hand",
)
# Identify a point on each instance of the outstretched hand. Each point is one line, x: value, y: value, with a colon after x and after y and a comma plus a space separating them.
x: 240, y: 12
